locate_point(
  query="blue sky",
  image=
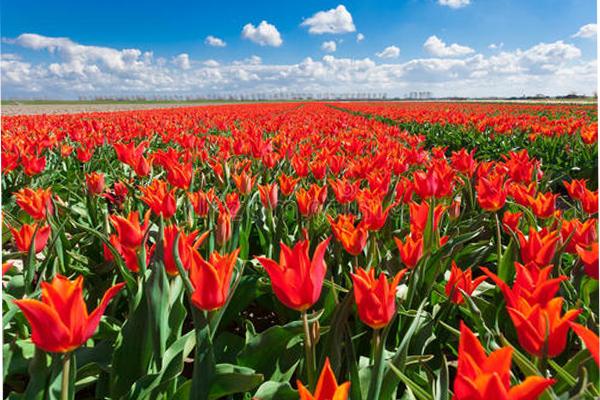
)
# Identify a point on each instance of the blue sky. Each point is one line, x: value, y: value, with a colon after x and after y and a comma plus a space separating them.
x: 534, y: 41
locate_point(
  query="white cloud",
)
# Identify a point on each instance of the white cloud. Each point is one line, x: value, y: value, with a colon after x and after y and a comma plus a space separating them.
x: 389, y: 52
x: 264, y: 34
x: 182, y: 61
x: 496, y: 46
x: 586, y: 31
x: 437, y: 48
x: 75, y: 69
x: 360, y: 37
x: 336, y: 20
x: 454, y: 3
x: 211, y: 63
x: 214, y: 41
x: 329, y: 46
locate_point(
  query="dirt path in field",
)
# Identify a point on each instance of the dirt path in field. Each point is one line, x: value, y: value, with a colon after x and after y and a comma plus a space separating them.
x: 28, y: 109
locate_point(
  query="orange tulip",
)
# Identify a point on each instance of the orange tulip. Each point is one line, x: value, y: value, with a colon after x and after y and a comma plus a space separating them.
x: 373, y: 213
x: 201, y: 201
x: 375, y: 298
x: 589, y: 257
x: 160, y: 200
x: 310, y: 202
x: 211, y: 279
x: 539, y: 247
x: 589, y: 201
x: 510, y: 221
x: 223, y: 230
x: 542, y: 330
x: 243, y: 182
x: 461, y: 280
x: 411, y: 250
x: 186, y: 244
x: 24, y: 236
x: 297, y: 280
x: 287, y: 184
x: 491, y: 192
x: 578, y: 234
x: 419, y: 213
x: 35, y: 202
x: 531, y: 283
x: 344, y: 191
x: 94, y: 182
x: 352, y: 238
x: 543, y: 205
x: 327, y: 387
x: 60, y: 321
x: 129, y: 231
x: 268, y: 195
x: 589, y: 338
x: 483, y: 377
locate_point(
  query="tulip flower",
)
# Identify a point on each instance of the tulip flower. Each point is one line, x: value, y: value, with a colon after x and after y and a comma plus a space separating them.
x: 243, y: 182
x: 35, y: 202
x: 522, y: 194
x: 419, y: 213
x: 232, y: 201
x: 33, y: 165
x: 287, y: 184
x: 375, y: 298
x: 187, y: 243
x: 94, y: 182
x: 589, y: 201
x: 268, y: 195
x: 211, y: 279
x: 589, y: 338
x: 160, y: 200
x: 491, y: 192
x: 589, y: 257
x: 543, y: 205
x: 129, y: 231
x: 223, y: 230
x: 352, y: 238
x: 310, y: 202
x: 460, y: 281
x: 464, y: 161
x: 533, y: 284
x: 60, y: 322
x: 24, y: 236
x: 578, y: 234
x: 510, y: 221
x: 374, y: 215
x: 410, y: 250
x: 576, y: 188
x: 345, y: 192
x: 539, y: 247
x: 201, y: 201
x: 483, y: 377
x: 85, y: 154
x: 179, y: 175
x: 542, y: 330
x: 297, y: 279
x: 327, y: 387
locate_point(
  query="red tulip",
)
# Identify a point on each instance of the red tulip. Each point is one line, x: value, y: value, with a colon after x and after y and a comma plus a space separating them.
x: 410, y: 250
x: 589, y: 257
x: 589, y: 338
x: 483, y: 377
x: 461, y: 280
x: 243, y: 182
x: 287, y: 184
x: 327, y: 387
x: 187, y: 243
x: 24, y: 236
x: 352, y: 238
x: 211, y: 279
x: 510, y: 221
x: 160, y: 200
x: 543, y: 205
x: 223, y: 229
x: 375, y: 298
x: 268, y: 195
x: 491, y: 192
x: 94, y: 182
x: 201, y: 201
x: 60, y: 322
x: 539, y: 247
x: 35, y: 202
x: 297, y: 280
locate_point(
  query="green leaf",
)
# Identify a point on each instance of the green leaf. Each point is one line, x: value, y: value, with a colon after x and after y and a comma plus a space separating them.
x: 275, y: 391
x: 230, y: 379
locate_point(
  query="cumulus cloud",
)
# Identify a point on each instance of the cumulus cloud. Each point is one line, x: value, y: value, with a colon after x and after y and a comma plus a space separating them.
x: 586, y: 31
x: 214, y: 41
x: 360, y: 37
x: 389, y: 52
x: 182, y: 61
x: 265, y: 34
x: 337, y: 20
x: 454, y: 3
x: 329, y: 46
x: 437, y: 48
x: 496, y: 46
x: 76, y: 69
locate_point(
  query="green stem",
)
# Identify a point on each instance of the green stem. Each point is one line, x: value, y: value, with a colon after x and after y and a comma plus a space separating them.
x: 378, y: 366
x: 498, y: 239
x: 66, y: 372
x: 309, y: 351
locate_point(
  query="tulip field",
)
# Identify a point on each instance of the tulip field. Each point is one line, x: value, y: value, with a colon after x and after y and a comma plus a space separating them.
x: 329, y: 251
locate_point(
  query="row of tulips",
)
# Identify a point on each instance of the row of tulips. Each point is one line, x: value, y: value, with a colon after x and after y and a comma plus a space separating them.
x: 192, y: 228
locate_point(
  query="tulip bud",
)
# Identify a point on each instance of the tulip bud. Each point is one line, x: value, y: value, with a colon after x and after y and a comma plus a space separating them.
x: 95, y: 183
x: 223, y: 227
